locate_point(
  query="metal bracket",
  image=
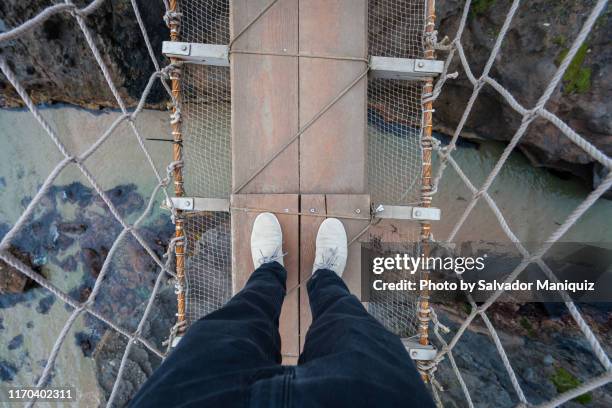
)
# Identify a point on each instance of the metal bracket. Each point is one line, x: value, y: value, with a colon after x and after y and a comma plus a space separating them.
x: 417, y: 351
x: 199, y: 204
x: 400, y: 212
x: 207, y: 54
x: 404, y: 68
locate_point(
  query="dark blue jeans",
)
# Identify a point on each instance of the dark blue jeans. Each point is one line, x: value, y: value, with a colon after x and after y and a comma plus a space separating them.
x: 231, y: 358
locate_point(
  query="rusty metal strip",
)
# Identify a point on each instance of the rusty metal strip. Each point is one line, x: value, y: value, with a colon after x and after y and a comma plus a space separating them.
x: 426, y: 187
x: 177, y: 156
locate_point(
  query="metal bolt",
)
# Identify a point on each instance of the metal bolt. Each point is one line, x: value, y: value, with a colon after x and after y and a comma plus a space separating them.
x: 417, y: 213
x: 358, y: 211
x: 313, y: 210
x: 420, y: 65
x: 183, y: 48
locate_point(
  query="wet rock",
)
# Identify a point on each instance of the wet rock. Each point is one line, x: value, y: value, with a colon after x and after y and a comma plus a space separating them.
x: 4, y: 228
x: 11, y: 279
x: 126, y: 198
x: 549, y: 360
x: 45, y: 304
x: 15, y: 342
x: 85, y: 343
x: 63, y: 242
x: 75, y: 228
x: 539, y: 36
x: 25, y: 201
x: 69, y: 264
x: 55, y: 64
x: 76, y: 193
x: 93, y: 259
x: 141, y: 362
x: 83, y: 293
x: 7, y: 371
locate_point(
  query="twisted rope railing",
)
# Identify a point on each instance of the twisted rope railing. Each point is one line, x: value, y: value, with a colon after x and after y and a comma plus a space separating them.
x: 445, y: 154
x: 78, y: 160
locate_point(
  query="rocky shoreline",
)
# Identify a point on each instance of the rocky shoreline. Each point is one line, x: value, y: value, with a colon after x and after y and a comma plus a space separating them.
x: 547, y: 351
x: 67, y: 242
x: 539, y: 36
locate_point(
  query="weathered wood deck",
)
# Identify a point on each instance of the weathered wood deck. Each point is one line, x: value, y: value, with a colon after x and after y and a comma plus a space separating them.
x: 321, y: 172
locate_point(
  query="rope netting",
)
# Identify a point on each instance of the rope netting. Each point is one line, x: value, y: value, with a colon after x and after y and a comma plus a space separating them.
x: 78, y: 160
x: 395, y: 128
x: 397, y: 119
x: 206, y: 113
x: 529, y: 114
x: 395, y: 29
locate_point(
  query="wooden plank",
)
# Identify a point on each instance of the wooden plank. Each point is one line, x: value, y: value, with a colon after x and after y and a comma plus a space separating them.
x: 354, y: 205
x: 309, y: 225
x: 334, y: 27
x: 264, y: 117
x: 265, y: 97
x: 276, y: 30
x: 333, y: 150
x: 272, y: 96
x: 242, y: 223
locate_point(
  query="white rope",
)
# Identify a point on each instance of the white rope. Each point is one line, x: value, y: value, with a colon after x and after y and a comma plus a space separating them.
x: 576, y: 392
x: 165, y: 268
x: 44, y: 15
x: 528, y: 116
x: 140, y: 327
x: 455, y: 47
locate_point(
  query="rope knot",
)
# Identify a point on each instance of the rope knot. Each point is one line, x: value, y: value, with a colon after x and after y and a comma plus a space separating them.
x: 532, y: 114
x: 175, y: 117
x: 173, y: 166
x: 173, y: 20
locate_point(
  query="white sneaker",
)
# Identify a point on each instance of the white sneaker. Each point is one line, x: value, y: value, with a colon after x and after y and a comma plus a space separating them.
x: 332, y: 249
x: 266, y: 240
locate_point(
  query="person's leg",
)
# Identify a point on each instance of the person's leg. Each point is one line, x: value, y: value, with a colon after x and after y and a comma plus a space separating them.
x: 220, y: 354
x: 346, y: 348
x: 224, y: 352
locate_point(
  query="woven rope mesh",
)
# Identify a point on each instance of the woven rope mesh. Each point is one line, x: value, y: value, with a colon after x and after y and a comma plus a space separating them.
x: 206, y: 114
x: 394, y: 141
x: 206, y: 131
x: 396, y: 28
x: 204, y: 21
x: 208, y: 233
x: 396, y: 310
x: 395, y: 118
x: 208, y: 263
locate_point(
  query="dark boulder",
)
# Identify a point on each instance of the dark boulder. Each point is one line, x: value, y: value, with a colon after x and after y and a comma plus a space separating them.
x: 11, y: 279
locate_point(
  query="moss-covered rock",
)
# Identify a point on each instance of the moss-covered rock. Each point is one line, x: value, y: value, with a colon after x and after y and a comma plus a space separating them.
x: 577, y: 77
x: 565, y: 381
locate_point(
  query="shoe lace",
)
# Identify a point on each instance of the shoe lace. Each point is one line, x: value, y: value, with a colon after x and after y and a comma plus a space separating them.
x: 327, y: 259
x: 276, y: 255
